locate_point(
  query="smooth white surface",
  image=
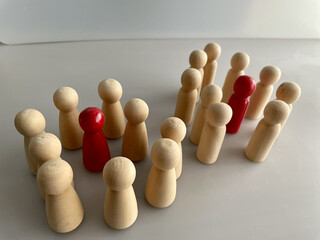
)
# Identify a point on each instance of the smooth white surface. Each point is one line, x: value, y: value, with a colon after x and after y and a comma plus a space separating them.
x: 48, y: 21
x: 231, y: 199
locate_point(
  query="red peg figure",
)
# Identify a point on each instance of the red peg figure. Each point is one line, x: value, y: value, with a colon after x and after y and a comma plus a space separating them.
x: 95, y: 149
x: 239, y: 101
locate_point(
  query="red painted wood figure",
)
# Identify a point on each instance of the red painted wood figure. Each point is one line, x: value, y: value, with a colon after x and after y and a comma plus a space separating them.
x: 95, y: 149
x: 239, y: 101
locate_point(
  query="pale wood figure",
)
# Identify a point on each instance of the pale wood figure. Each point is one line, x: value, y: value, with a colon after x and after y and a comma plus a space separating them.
x: 120, y: 205
x: 267, y: 131
x: 213, y: 51
x: 66, y: 99
x: 239, y: 62
x: 269, y: 75
x: 110, y: 91
x: 135, y: 138
x: 197, y: 60
x: 63, y: 206
x: 289, y: 92
x: 175, y: 129
x: 187, y: 97
x: 42, y: 148
x: 161, y: 184
x: 213, y: 133
x: 29, y: 123
x: 210, y: 94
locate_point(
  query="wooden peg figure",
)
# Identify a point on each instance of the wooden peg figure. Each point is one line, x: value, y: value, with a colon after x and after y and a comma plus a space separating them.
x: 289, y: 92
x: 161, y: 184
x: 239, y: 101
x: 29, y: 123
x: 95, y: 150
x: 175, y: 129
x: 42, y: 148
x: 120, y: 205
x: 66, y: 99
x: 269, y: 75
x: 110, y: 91
x: 135, y: 138
x: 210, y: 94
x: 267, y: 131
x: 239, y: 62
x: 63, y: 206
x: 213, y: 52
x: 214, y: 131
x: 197, y: 60
x: 187, y: 97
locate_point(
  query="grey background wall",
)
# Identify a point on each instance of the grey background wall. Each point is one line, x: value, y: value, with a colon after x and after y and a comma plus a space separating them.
x: 48, y: 21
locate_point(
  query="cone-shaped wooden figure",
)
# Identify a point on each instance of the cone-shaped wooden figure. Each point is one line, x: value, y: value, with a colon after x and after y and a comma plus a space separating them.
x: 214, y: 131
x: 239, y: 101
x: 110, y: 91
x: 120, y: 205
x: 213, y: 52
x: 210, y: 94
x: 43, y: 148
x: 267, y: 131
x: 289, y: 92
x: 66, y: 99
x: 269, y: 75
x: 187, y: 97
x: 29, y: 123
x: 197, y: 60
x: 135, y: 138
x: 95, y: 150
x: 175, y: 129
x: 63, y: 205
x: 161, y: 184
x: 239, y: 62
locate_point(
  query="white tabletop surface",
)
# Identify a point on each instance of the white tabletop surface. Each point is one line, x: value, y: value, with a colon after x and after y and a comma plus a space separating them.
x: 231, y: 199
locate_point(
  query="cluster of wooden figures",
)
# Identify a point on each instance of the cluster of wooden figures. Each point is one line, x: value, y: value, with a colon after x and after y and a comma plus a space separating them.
x: 220, y: 111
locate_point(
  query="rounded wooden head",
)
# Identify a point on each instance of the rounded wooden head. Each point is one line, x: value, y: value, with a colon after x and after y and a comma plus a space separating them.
x: 44, y: 147
x: 29, y: 122
x: 110, y: 90
x: 55, y: 176
x: 190, y: 79
x: 240, y: 61
x: 136, y: 111
x: 288, y: 92
x: 210, y: 94
x: 244, y: 86
x: 173, y: 128
x: 119, y: 173
x: 276, y: 111
x: 66, y: 99
x: 165, y: 154
x: 213, y: 51
x: 198, y: 59
x: 219, y: 114
x: 270, y: 75
x: 91, y: 119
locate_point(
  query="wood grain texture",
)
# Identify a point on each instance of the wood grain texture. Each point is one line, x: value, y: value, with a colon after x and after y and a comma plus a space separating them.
x: 269, y: 75
x: 29, y: 123
x: 187, y: 96
x: 66, y: 99
x: 161, y: 184
x: 63, y: 206
x: 135, y: 138
x: 120, y: 205
x: 110, y: 91
x: 239, y: 62
x: 267, y: 131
